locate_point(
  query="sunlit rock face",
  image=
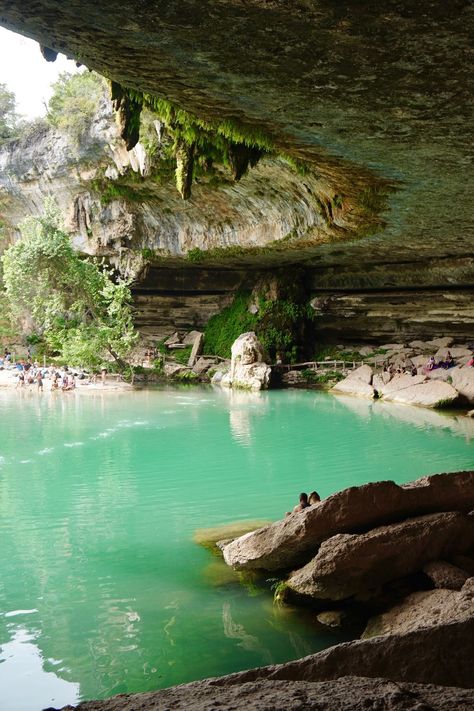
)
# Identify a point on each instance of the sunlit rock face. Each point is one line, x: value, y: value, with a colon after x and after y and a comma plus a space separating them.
x: 379, y: 90
x: 373, y: 96
x: 273, y: 202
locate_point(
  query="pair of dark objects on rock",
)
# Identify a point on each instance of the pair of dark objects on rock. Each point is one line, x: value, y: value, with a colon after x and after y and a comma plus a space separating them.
x: 305, y: 502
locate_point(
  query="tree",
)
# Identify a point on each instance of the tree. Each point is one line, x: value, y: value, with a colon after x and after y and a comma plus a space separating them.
x: 74, y: 101
x: 8, y: 115
x: 81, y: 310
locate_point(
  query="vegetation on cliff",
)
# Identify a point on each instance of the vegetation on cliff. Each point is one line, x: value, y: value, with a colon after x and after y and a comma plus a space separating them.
x: 77, y: 306
x: 74, y: 102
x: 196, y: 143
x: 9, y: 119
x: 279, y: 316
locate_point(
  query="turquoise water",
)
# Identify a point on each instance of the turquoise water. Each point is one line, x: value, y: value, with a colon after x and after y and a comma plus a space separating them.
x: 102, y: 589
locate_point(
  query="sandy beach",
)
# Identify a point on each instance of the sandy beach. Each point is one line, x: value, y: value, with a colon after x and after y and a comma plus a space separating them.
x: 9, y: 379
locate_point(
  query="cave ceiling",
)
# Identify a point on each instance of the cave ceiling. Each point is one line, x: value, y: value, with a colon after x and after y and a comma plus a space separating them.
x: 365, y: 91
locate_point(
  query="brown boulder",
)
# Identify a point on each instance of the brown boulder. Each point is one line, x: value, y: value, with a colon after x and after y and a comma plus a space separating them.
x: 350, y: 564
x: 433, y: 655
x: 349, y: 693
x: 294, y: 540
x: 424, y: 609
x: 445, y: 575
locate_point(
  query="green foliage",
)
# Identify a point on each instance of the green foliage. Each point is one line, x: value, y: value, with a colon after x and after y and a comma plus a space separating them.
x: 195, y: 143
x: 330, y: 376
x: 186, y: 376
x: 8, y: 117
x: 223, y: 328
x: 181, y: 355
x: 126, y: 187
x: 74, y: 102
x: 280, y: 590
x: 83, y: 314
x: 279, y: 324
x: 333, y: 353
x: 7, y: 332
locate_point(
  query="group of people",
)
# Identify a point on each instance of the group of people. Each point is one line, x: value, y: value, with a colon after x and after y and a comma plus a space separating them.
x: 305, y: 502
x: 406, y: 365
x: 448, y: 362
x: 31, y: 373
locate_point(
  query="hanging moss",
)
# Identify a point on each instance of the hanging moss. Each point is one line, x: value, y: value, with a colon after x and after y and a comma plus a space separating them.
x: 184, y: 168
x: 197, y: 143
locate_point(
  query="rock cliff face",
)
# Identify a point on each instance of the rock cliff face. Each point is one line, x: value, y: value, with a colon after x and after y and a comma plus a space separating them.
x: 372, y: 98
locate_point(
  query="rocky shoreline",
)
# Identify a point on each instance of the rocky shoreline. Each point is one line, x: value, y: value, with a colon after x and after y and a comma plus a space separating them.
x: 405, y: 554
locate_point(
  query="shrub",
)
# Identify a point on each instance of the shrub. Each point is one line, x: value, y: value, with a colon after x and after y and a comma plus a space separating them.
x: 223, y: 328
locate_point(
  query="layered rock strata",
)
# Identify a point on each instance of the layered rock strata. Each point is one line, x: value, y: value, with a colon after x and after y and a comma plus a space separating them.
x: 295, y: 539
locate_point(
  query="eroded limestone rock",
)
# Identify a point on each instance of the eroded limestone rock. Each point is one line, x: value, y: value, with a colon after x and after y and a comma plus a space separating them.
x: 247, y: 370
x: 424, y: 609
x: 349, y: 564
x: 293, y: 540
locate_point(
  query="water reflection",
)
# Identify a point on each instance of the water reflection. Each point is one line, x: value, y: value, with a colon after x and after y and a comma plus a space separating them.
x: 234, y: 630
x: 25, y: 683
x: 243, y: 405
x: 420, y: 417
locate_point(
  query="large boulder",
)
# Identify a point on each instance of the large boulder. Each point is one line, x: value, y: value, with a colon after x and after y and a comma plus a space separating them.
x: 294, y: 540
x: 441, y: 654
x: 350, y: 693
x: 348, y: 564
x: 419, y: 390
x: 358, y: 382
x: 247, y: 369
x: 463, y: 381
x: 424, y: 609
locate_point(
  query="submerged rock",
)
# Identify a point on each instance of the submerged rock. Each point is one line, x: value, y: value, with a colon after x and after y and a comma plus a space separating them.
x: 247, y: 369
x: 209, y: 537
x: 349, y: 564
x: 294, y: 540
x: 424, y: 609
x: 331, y: 618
